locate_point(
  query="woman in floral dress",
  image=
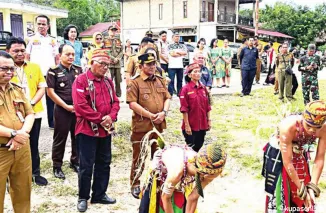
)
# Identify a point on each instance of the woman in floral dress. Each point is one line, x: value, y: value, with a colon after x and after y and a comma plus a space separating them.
x: 226, y: 61
x: 214, y: 63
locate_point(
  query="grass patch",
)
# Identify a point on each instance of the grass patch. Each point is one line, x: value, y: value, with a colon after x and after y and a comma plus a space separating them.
x: 322, y: 184
x: 65, y: 190
x: 252, y: 163
x: 46, y: 207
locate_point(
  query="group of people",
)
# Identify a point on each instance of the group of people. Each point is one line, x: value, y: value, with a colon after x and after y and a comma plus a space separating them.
x: 87, y: 104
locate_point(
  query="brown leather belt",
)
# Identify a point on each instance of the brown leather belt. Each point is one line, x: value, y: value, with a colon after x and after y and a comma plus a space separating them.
x: 4, y: 146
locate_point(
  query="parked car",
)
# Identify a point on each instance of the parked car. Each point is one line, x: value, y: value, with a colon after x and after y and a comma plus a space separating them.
x: 4, y: 36
x: 234, y: 47
x: 189, y: 58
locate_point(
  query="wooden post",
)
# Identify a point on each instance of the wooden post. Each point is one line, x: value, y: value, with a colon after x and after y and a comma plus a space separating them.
x: 256, y: 17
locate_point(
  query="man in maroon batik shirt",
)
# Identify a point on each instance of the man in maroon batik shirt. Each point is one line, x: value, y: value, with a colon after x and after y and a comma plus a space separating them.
x: 96, y: 107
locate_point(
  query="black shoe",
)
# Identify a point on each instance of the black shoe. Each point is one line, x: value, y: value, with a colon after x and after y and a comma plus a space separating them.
x: 40, y: 181
x: 275, y: 93
x: 135, y: 192
x: 58, y: 173
x: 223, y: 85
x: 257, y: 82
x: 75, y: 167
x: 82, y: 205
x: 105, y: 200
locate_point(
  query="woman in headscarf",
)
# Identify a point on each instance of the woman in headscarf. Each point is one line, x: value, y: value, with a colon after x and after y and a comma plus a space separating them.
x: 289, y: 185
x: 97, y: 44
x: 70, y: 35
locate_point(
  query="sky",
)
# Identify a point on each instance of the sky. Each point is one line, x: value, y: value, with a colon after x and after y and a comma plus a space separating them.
x: 310, y: 3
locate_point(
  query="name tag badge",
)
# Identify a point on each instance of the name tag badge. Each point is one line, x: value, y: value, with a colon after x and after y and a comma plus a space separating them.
x: 61, y: 75
x: 20, y: 116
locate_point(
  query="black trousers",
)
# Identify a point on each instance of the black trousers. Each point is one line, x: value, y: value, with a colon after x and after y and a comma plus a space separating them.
x: 294, y: 84
x: 165, y: 67
x: 34, y: 137
x: 49, y: 109
x: 94, y: 152
x: 271, y: 70
x: 64, y: 122
x: 196, y: 140
x: 247, y: 80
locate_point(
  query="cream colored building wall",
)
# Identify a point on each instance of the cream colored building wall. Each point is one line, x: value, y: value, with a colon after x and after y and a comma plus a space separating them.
x: 167, y: 14
x: 192, y: 16
x: 135, y: 14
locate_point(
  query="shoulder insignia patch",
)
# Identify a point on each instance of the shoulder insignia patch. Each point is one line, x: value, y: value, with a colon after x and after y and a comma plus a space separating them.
x: 52, y: 73
x: 135, y: 76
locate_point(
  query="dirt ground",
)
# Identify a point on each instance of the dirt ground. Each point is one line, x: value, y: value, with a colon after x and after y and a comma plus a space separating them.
x: 237, y: 125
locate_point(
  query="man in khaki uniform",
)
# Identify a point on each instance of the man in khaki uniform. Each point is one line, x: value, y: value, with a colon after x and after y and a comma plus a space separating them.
x: 116, y: 52
x: 132, y: 66
x: 16, y: 121
x: 149, y: 99
x: 284, y: 60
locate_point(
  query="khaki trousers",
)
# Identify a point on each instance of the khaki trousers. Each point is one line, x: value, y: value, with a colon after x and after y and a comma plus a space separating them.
x: 258, y: 70
x: 136, y: 138
x: 285, y: 83
x: 276, y: 86
x: 17, y: 165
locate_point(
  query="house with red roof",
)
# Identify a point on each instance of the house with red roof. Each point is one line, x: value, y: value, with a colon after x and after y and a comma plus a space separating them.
x: 87, y: 35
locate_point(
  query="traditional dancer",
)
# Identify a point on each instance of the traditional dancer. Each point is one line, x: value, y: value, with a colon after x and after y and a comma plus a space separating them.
x: 289, y: 184
x: 178, y: 176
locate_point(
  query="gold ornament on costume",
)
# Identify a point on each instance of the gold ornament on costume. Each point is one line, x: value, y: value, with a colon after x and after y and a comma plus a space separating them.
x: 315, y: 113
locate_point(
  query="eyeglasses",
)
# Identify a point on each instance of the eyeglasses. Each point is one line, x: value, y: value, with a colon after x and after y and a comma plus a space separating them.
x: 98, y: 39
x: 41, y: 24
x: 17, y: 51
x: 103, y: 64
x: 6, y: 69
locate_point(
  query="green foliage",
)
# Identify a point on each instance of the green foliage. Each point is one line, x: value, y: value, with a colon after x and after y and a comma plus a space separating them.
x: 300, y: 22
x: 83, y: 13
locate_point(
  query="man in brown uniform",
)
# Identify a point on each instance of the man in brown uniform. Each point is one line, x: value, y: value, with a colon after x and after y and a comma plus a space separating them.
x: 16, y: 121
x: 60, y: 80
x: 259, y: 47
x: 116, y: 52
x: 149, y: 99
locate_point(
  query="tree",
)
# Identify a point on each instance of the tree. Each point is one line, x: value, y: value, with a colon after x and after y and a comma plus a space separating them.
x: 300, y: 22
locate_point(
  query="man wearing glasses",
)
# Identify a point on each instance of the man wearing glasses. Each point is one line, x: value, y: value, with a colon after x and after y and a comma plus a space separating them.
x: 42, y: 49
x: 96, y: 106
x: 29, y: 76
x: 16, y: 121
x: 60, y: 80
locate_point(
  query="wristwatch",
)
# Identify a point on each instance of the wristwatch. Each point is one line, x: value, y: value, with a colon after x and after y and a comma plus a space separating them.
x: 165, y: 113
x: 13, y: 133
x: 32, y: 103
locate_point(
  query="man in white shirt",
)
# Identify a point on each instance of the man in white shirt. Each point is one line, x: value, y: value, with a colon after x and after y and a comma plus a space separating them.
x: 42, y: 49
x: 176, y: 53
x: 162, y: 48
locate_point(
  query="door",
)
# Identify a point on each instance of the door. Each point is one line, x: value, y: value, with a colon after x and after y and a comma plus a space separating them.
x: 17, y: 25
x: 210, y: 12
x: 1, y: 21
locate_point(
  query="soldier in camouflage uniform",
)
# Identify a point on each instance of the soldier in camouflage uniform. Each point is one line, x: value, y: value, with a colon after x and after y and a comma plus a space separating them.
x: 116, y: 52
x: 309, y: 66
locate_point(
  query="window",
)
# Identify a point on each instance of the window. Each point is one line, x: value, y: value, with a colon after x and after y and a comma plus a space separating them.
x: 203, y: 8
x: 185, y: 9
x: 160, y: 11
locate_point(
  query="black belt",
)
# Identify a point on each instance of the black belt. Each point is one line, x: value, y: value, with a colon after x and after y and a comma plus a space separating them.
x: 4, y: 146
